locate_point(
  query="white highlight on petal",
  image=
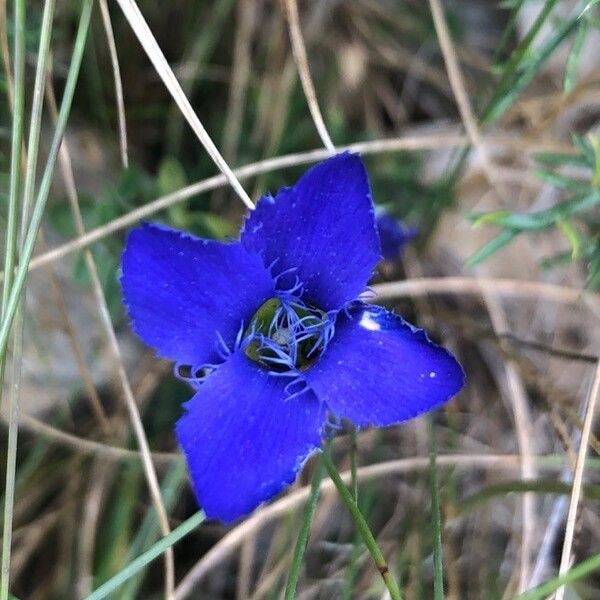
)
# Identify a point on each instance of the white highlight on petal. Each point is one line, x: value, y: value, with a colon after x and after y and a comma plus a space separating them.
x: 367, y: 322
x: 432, y: 374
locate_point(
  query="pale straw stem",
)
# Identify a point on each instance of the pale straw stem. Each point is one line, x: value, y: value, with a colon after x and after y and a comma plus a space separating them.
x: 515, y: 387
x: 114, y: 59
x: 156, y: 56
x: 565, y: 559
x: 299, y: 52
x: 106, y: 322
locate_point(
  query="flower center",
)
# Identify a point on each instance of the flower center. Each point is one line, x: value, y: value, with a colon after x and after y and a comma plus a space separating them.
x: 287, y: 335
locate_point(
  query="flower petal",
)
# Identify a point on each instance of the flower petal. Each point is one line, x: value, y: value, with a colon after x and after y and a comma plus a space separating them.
x: 393, y: 236
x: 323, y: 228
x: 243, y: 440
x: 380, y: 370
x: 181, y: 292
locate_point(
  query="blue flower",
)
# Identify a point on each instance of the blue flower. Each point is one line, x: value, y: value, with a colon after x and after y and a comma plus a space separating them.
x: 270, y: 332
x: 393, y: 236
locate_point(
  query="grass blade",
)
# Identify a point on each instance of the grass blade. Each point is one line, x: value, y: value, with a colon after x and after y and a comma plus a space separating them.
x: 581, y: 570
x: 508, y: 93
x: 523, y: 48
x: 150, y: 528
x: 353, y: 463
x: 575, y: 55
x: 15, y: 151
x: 147, y: 557
x: 438, y: 568
x: 147, y: 40
x: 42, y: 197
x: 307, y: 519
x: 363, y: 528
x: 11, y: 250
x: 495, y: 244
x: 9, y: 262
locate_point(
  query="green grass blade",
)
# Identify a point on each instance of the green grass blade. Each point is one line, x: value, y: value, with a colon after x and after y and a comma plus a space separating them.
x: 9, y: 262
x: 575, y: 56
x: 560, y: 181
x: 353, y: 464
x: 556, y: 159
x: 502, y: 239
x: 537, y: 486
x: 301, y: 542
x: 578, y: 572
x: 150, y: 528
x: 438, y: 567
x: 18, y: 122
x: 508, y: 30
x: 509, y: 92
x: 11, y: 254
x: 11, y: 452
x: 35, y: 123
x: 147, y: 557
x: 363, y: 528
x: 524, y: 46
x: 42, y: 197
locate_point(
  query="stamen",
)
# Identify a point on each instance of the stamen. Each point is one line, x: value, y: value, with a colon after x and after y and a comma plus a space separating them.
x: 194, y: 374
x: 239, y: 338
x: 291, y: 374
x: 223, y: 349
x: 288, y: 389
x: 288, y: 335
x: 298, y: 393
x: 292, y: 292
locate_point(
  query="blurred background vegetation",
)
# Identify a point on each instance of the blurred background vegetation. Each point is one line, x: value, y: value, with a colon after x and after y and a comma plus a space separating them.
x: 517, y: 204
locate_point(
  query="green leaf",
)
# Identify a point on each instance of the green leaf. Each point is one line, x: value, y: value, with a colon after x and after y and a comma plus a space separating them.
x: 558, y: 260
x: 556, y: 159
x: 501, y: 240
x: 589, y: 5
x: 171, y: 176
x: 514, y: 6
x: 575, y: 56
x: 595, y: 144
x: 593, y: 280
x: 490, y: 218
x: 560, y: 181
x: 572, y: 236
x: 583, y: 144
x: 518, y: 221
x: 512, y: 88
x: 213, y: 226
x: 523, y: 50
x: 577, y: 204
x: 60, y: 216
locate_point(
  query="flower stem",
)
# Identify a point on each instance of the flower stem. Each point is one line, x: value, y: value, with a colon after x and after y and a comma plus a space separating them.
x: 362, y: 527
x: 438, y: 569
x: 353, y: 466
x: 307, y: 519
